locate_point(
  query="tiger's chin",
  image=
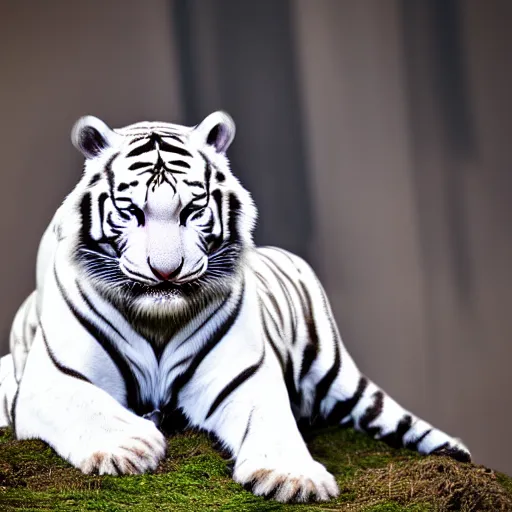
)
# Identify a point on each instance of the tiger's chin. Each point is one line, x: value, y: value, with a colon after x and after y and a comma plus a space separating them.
x: 160, y: 303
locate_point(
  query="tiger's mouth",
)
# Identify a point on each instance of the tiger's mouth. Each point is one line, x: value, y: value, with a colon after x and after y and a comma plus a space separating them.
x: 163, y: 289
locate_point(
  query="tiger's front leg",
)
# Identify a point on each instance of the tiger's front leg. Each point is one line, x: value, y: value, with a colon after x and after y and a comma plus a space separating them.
x: 83, y: 423
x: 249, y: 411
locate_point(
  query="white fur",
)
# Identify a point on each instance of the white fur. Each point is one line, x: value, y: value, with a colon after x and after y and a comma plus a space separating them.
x: 70, y: 393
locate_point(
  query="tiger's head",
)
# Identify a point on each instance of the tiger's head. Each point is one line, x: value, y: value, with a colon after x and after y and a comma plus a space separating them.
x: 163, y: 220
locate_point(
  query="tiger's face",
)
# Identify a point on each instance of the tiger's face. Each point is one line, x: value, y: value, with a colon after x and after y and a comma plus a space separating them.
x: 164, y: 222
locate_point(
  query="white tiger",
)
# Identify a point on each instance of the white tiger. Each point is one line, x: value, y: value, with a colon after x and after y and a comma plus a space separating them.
x: 153, y: 305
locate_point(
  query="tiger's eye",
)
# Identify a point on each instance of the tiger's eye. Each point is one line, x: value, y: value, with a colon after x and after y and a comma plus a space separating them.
x: 138, y: 213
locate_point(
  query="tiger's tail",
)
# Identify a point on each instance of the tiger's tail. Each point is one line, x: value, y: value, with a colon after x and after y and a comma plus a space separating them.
x: 371, y: 410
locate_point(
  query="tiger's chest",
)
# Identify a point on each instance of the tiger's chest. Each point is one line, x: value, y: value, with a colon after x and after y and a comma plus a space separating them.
x: 151, y: 377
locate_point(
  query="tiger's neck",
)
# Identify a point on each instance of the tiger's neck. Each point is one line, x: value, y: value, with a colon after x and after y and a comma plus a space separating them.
x: 159, y: 330
x: 160, y: 327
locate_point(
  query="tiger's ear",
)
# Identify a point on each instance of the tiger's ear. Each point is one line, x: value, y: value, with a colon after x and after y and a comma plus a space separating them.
x: 91, y: 136
x: 217, y: 130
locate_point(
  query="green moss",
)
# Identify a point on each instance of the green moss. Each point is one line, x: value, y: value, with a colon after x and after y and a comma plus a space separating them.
x: 195, y: 477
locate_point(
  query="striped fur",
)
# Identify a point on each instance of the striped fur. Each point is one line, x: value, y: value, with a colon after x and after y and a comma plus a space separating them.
x: 152, y: 303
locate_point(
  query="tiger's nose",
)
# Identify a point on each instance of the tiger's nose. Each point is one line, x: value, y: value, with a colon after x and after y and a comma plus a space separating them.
x: 163, y: 273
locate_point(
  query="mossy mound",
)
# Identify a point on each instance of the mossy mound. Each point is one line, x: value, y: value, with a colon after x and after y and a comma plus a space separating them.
x: 195, y: 477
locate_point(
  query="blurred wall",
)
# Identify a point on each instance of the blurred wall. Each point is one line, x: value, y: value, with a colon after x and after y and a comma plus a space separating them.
x: 409, y: 118
x: 60, y: 60
x: 241, y: 56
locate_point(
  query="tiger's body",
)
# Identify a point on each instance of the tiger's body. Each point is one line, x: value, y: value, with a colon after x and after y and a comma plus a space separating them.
x: 152, y: 299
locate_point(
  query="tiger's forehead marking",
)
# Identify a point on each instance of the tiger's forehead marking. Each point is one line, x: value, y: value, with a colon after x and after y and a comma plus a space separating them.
x: 157, y: 157
x: 147, y: 137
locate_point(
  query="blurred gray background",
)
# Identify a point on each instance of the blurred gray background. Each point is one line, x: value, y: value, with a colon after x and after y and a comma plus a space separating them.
x: 374, y: 134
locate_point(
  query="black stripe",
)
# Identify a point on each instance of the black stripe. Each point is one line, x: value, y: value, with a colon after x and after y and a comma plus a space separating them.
x: 270, y: 340
x: 277, y: 308
x: 207, y: 177
x: 234, y: 210
x: 279, y: 271
x: 95, y: 178
x: 93, y: 308
x: 179, y: 163
x: 311, y: 350
x: 308, y: 357
x: 327, y: 308
x: 194, y: 183
x: 110, y: 174
x: 289, y: 379
x: 235, y: 383
x: 170, y: 148
x: 217, y: 197
x: 111, y: 183
x: 273, y: 320
x: 139, y: 165
x: 324, y: 385
x: 396, y: 438
x: 64, y: 369
x: 179, y: 363
x: 26, y: 336
x: 413, y: 445
x: 189, y: 209
x: 200, y: 195
x: 270, y: 295
x: 138, y: 214
x: 85, y: 210
x: 291, y: 307
x: 134, y: 273
x: 343, y: 408
x: 221, y: 330
x: 101, y: 206
x: 247, y: 429
x: 372, y: 413
x: 193, y: 272
x: 221, y: 305
x: 13, y: 410
x: 455, y: 453
x: 279, y: 274
x: 132, y: 389
x: 143, y: 148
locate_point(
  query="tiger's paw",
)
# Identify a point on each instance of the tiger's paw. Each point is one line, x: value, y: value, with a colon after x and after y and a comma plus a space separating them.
x: 124, y: 447
x: 287, y: 482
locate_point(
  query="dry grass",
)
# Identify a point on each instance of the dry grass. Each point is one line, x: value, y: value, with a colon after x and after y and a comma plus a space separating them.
x: 445, y: 482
